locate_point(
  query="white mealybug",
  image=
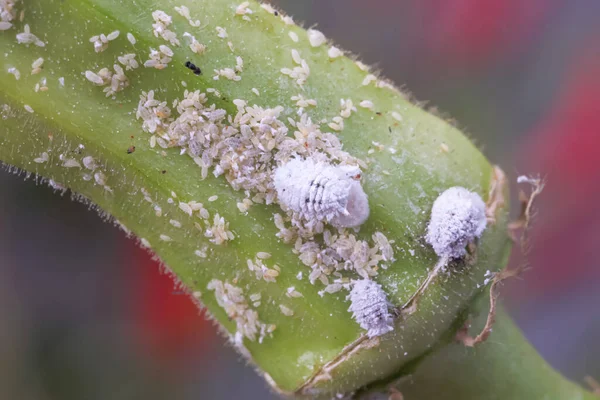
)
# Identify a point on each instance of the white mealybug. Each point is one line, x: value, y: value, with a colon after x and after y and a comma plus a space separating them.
x: 370, y: 308
x: 321, y: 191
x: 457, y: 219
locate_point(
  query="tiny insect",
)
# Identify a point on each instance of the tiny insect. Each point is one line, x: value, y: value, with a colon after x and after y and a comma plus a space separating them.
x: 371, y: 308
x: 320, y: 191
x: 130, y: 149
x: 193, y: 67
x: 457, y: 219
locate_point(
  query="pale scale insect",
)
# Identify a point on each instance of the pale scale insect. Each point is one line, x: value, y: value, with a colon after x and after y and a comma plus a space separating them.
x: 457, y: 219
x: 321, y: 191
x: 370, y: 308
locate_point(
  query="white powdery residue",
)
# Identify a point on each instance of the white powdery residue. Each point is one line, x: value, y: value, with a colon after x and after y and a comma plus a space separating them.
x: 128, y: 61
x: 232, y: 300
x: 221, y: 32
x: 160, y: 58
x: 288, y: 312
x: 368, y: 104
x: 61, y: 81
x: 186, y: 208
x: 43, y: 158
x: 527, y: 179
x: 457, y: 219
x: 239, y: 64
x: 113, y: 35
x: 185, y: 13
x: 334, y: 52
x: 262, y: 271
x: 243, y: 9
x: 228, y: 73
x: 368, y: 79
x: 396, y: 116
x: 293, y: 35
x: 200, y: 253
x: 287, y: 19
x: 36, y: 66
x: 100, y: 178
x: 337, y: 124
x: 320, y: 191
x: 89, y: 163
x: 26, y: 37
x: 370, y: 308
x: 303, y: 103
x: 213, y: 198
x: 175, y: 223
x: 293, y: 293
x: 218, y: 232
x: 71, y: 163
x: 100, y: 42
x: 131, y: 38
x: 165, y: 238
x: 385, y: 84
x: 15, y: 72
x: 255, y: 91
x: 301, y: 72
x: 384, y: 246
x: 361, y: 66
x: 263, y: 255
x: 346, y: 108
x: 145, y: 243
x: 194, y: 44
x: 160, y: 27
x: 5, y: 25
x: 113, y: 82
x: 267, y: 7
x: 316, y: 38
x: 28, y: 108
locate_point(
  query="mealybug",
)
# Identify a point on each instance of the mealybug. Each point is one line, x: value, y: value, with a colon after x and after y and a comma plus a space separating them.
x: 321, y: 191
x: 370, y: 308
x: 457, y: 218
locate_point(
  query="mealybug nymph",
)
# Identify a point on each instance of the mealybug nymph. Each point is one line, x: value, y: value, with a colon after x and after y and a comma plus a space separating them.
x: 321, y: 191
x: 457, y: 218
x: 370, y: 308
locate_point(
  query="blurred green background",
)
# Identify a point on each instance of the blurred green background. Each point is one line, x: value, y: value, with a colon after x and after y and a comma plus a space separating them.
x: 87, y: 315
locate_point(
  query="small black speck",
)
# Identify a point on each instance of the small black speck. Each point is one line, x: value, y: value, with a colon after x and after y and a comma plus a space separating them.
x: 390, y: 129
x: 378, y: 113
x: 188, y: 64
x: 284, y: 190
x: 314, y: 201
x: 197, y: 71
x: 276, y: 13
x: 320, y: 202
x: 164, y: 171
x: 318, y: 186
x: 307, y: 201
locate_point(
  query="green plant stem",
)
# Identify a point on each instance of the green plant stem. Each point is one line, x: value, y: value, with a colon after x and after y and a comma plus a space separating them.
x: 504, y: 367
x: 412, y: 156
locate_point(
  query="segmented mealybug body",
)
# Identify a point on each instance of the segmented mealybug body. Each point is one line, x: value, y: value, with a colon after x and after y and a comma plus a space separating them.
x: 457, y: 218
x: 370, y: 308
x: 321, y: 191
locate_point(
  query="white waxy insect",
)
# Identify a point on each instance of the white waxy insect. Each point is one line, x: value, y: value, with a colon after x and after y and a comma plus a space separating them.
x: 457, y: 219
x: 321, y: 191
x: 370, y: 308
